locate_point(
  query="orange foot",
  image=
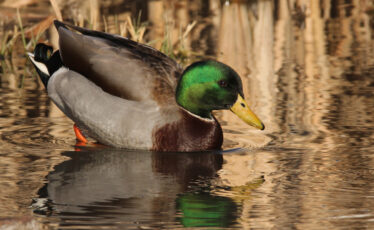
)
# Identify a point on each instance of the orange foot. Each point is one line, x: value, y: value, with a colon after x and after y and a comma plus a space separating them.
x: 81, y: 139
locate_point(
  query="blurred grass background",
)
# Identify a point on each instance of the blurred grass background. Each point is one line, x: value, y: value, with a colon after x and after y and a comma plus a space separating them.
x: 24, y: 23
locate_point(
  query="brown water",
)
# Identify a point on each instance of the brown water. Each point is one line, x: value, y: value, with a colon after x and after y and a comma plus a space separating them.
x: 308, y: 72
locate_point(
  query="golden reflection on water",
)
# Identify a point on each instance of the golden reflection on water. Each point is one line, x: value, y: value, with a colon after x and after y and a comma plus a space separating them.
x: 307, y: 70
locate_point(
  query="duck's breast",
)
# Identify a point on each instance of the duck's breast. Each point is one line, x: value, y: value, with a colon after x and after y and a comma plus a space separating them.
x: 190, y: 133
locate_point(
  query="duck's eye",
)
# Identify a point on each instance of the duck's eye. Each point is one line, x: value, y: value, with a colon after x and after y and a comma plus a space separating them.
x: 222, y: 83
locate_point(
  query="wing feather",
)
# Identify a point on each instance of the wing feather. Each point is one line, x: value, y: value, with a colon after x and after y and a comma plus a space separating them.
x: 118, y: 65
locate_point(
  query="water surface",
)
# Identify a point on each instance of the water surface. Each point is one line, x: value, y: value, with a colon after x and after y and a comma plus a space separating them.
x: 307, y: 72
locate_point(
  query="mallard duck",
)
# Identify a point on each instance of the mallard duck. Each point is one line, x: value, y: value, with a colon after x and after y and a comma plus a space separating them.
x: 129, y: 95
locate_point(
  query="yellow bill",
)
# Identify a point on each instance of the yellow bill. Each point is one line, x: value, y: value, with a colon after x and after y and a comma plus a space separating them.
x: 242, y: 110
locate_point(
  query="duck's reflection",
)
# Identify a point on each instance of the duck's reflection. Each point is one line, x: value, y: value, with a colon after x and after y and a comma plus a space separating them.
x: 205, y: 210
x: 106, y: 186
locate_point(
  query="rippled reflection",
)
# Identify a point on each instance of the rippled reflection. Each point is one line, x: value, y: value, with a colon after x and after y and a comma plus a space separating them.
x: 134, y: 188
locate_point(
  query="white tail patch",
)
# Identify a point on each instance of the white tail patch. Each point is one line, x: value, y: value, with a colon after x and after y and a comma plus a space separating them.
x: 41, y: 66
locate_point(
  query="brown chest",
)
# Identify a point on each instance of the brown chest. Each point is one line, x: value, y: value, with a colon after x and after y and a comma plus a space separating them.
x: 189, y: 134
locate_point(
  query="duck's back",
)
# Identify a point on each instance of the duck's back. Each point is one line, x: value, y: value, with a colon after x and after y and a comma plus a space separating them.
x: 120, y: 66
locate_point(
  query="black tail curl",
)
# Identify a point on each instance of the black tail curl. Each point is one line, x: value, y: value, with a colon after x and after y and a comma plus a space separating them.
x: 44, y: 54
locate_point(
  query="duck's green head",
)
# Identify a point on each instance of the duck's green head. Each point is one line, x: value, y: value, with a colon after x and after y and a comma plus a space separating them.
x: 211, y: 85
